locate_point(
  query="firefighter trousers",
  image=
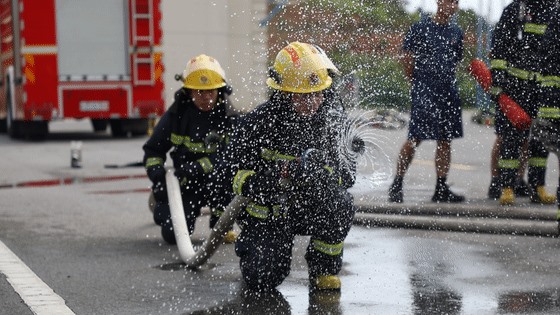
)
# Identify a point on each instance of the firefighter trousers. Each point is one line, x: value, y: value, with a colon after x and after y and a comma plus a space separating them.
x: 526, y: 93
x: 509, y: 161
x: 546, y: 129
x: 265, y: 244
x: 194, y: 197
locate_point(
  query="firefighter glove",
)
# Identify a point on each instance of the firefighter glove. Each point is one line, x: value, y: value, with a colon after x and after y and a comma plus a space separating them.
x: 212, y: 140
x: 313, y: 169
x: 479, y: 70
x: 515, y: 113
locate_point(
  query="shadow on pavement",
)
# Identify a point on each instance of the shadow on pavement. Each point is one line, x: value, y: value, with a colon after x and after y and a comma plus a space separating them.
x: 273, y: 302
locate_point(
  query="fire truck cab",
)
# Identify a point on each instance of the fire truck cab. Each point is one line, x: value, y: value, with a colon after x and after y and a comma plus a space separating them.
x: 62, y: 59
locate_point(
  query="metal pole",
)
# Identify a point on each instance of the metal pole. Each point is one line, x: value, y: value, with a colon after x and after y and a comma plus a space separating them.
x: 479, y: 102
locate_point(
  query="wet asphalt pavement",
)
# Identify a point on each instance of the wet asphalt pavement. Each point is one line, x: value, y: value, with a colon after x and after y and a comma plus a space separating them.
x: 92, y: 241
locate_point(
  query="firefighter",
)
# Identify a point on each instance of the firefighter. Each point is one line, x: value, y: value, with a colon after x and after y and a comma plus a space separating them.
x: 283, y: 157
x: 516, y: 66
x: 546, y: 127
x: 193, y: 129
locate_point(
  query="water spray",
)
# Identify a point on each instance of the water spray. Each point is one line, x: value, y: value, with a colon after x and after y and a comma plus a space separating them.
x: 360, y: 146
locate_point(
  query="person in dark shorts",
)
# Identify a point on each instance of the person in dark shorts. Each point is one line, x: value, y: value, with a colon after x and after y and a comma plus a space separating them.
x: 431, y: 51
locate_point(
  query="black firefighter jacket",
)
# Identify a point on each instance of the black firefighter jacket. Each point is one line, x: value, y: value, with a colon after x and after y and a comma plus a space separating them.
x: 193, y: 136
x: 551, y: 65
x: 274, y: 133
x: 517, y: 44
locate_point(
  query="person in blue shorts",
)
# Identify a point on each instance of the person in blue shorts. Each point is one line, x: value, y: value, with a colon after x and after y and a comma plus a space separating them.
x: 432, y: 49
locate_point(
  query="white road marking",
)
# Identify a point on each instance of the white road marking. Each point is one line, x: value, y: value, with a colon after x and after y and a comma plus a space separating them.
x: 35, y: 293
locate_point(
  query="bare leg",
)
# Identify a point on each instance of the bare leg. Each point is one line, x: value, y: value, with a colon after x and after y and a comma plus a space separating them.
x: 494, y: 157
x: 443, y: 157
x: 405, y: 156
x: 495, y: 189
x: 443, y: 162
x: 523, y: 158
x: 521, y: 188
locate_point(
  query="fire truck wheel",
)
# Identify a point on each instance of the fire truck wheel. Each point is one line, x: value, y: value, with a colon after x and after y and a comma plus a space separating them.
x: 117, y: 128
x: 32, y: 130
x: 3, y: 126
x: 35, y: 130
x: 139, y: 127
x: 99, y: 125
x: 136, y: 127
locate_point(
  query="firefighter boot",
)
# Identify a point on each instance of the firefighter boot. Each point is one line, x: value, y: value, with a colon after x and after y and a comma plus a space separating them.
x: 495, y: 189
x: 161, y: 212
x: 167, y: 232
x: 540, y: 195
x: 508, y: 197
x: 324, y: 302
x: 230, y: 237
x: 395, y: 191
x: 521, y: 189
x: 325, y: 282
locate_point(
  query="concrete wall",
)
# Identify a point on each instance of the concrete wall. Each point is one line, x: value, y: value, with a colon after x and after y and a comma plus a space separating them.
x: 227, y: 30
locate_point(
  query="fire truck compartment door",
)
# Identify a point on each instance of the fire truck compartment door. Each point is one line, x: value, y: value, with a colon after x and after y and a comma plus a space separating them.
x: 99, y: 103
x: 92, y: 40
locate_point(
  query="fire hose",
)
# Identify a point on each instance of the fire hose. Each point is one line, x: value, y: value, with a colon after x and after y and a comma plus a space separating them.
x: 191, y: 257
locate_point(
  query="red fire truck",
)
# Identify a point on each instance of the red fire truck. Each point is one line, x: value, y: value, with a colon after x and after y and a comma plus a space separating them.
x: 99, y: 59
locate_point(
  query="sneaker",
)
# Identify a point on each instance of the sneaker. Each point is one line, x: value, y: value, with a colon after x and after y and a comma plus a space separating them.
x: 495, y: 189
x: 396, y: 193
x: 508, y: 197
x: 521, y: 189
x: 230, y: 237
x: 540, y: 195
x: 325, y: 282
x: 444, y: 194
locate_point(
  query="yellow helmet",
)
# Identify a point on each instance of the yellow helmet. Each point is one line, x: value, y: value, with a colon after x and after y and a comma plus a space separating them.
x: 299, y: 68
x: 326, y: 61
x: 204, y: 73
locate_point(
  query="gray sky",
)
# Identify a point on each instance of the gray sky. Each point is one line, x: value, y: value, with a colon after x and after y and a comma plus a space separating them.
x: 492, y: 9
